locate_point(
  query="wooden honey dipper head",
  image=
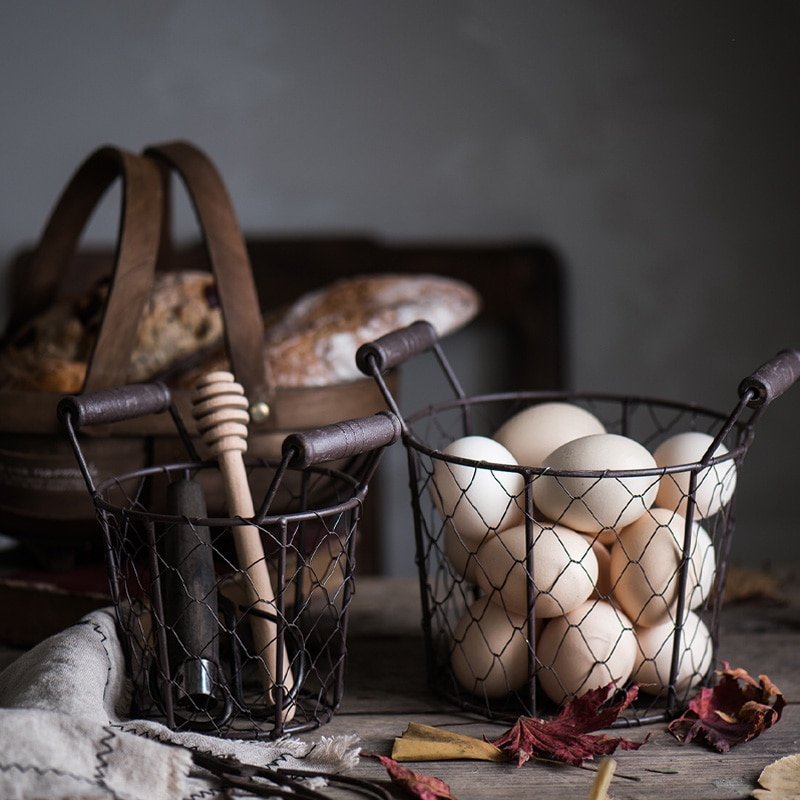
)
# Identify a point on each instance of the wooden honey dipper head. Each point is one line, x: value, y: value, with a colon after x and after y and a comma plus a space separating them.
x: 219, y: 408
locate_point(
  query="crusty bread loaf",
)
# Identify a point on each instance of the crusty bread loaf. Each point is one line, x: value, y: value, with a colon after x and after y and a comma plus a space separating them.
x: 314, y: 341
x: 311, y: 343
x: 50, y: 353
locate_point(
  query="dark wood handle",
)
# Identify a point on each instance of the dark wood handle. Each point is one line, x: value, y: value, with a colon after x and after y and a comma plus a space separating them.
x: 342, y: 439
x: 772, y: 379
x: 230, y: 262
x: 397, y: 347
x: 115, y: 405
x: 134, y: 265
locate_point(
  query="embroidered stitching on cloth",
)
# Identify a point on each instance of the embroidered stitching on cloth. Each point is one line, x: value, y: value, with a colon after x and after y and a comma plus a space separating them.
x: 64, y: 729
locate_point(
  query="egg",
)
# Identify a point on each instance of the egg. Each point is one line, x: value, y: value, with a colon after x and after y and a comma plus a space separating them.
x: 461, y: 553
x: 476, y: 499
x: 586, y: 649
x: 715, y: 484
x: 489, y: 654
x: 594, y: 504
x: 645, y: 565
x: 564, y: 570
x: 654, y: 658
x: 603, y: 556
x: 532, y: 434
x: 702, y: 568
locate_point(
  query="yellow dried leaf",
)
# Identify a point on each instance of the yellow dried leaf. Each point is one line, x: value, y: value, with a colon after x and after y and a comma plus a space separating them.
x: 426, y: 743
x: 602, y: 780
x: 780, y: 780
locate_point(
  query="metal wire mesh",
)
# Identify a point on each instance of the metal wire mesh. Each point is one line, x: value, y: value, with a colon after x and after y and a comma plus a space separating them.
x: 541, y: 583
x: 187, y: 633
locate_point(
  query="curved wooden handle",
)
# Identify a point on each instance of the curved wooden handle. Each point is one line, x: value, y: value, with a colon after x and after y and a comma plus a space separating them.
x: 230, y: 263
x: 134, y: 265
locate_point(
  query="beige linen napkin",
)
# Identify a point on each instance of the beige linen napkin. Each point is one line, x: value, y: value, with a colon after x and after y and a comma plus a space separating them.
x: 64, y: 731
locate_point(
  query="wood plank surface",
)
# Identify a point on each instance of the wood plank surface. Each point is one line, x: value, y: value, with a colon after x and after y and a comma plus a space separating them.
x: 386, y: 689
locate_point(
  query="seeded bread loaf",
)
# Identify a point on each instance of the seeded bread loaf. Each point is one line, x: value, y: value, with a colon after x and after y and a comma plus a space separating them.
x: 50, y: 353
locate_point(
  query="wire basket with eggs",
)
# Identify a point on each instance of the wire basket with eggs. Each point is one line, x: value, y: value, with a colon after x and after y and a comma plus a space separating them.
x: 566, y: 541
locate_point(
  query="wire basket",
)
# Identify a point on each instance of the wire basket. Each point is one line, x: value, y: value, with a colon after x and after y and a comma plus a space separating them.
x: 541, y: 582
x: 201, y: 653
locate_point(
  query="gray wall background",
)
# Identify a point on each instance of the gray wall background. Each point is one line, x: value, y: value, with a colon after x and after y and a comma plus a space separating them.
x: 654, y: 145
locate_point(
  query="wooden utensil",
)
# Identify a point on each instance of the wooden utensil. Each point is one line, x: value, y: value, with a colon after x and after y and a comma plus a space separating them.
x: 220, y: 410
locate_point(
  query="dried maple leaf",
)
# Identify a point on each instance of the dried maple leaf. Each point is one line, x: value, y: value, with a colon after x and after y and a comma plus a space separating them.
x: 567, y: 737
x: 417, y: 784
x: 736, y: 710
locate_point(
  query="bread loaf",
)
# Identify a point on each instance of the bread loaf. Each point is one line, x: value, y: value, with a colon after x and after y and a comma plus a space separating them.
x: 314, y: 341
x: 311, y: 343
x: 50, y: 353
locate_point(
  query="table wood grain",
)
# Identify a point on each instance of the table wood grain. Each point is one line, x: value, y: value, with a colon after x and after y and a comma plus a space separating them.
x: 386, y: 689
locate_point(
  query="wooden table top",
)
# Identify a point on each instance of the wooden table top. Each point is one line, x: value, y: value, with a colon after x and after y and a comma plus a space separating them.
x: 385, y: 689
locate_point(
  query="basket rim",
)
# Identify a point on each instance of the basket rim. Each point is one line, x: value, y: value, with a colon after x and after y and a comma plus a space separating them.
x: 356, y: 497
x: 414, y: 442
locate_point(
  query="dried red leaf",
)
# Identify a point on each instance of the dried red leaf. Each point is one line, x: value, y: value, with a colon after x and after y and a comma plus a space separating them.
x: 567, y: 737
x: 734, y: 711
x: 417, y: 784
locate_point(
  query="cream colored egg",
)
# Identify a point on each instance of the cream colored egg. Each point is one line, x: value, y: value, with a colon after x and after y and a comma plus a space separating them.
x: 645, y: 566
x: 564, y: 570
x: 532, y: 434
x: 586, y: 649
x: 594, y: 504
x: 476, y: 499
x: 603, y: 556
x: 654, y: 658
x: 489, y: 655
x: 715, y: 484
x: 461, y: 553
x: 702, y: 568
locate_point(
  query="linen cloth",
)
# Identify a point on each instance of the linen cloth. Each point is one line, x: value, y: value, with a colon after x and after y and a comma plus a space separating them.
x: 64, y: 732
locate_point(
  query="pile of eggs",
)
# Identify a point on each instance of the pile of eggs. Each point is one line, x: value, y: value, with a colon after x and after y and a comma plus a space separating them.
x: 606, y: 554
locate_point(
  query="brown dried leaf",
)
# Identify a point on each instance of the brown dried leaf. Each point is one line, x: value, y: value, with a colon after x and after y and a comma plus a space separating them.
x: 426, y: 743
x: 737, y: 709
x: 780, y: 780
x: 417, y: 784
x: 567, y: 737
x: 747, y: 585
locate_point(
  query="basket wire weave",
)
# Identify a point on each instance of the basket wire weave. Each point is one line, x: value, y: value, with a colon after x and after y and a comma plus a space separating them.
x: 489, y: 648
x: 184, y: 616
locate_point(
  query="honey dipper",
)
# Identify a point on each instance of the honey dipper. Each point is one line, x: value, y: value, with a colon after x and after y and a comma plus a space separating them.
x: 219, y: 408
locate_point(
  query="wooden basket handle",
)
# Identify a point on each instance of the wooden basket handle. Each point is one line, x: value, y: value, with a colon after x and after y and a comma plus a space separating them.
x: 772, y: 379
x: 134, y: 262
x: 230, y: 262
